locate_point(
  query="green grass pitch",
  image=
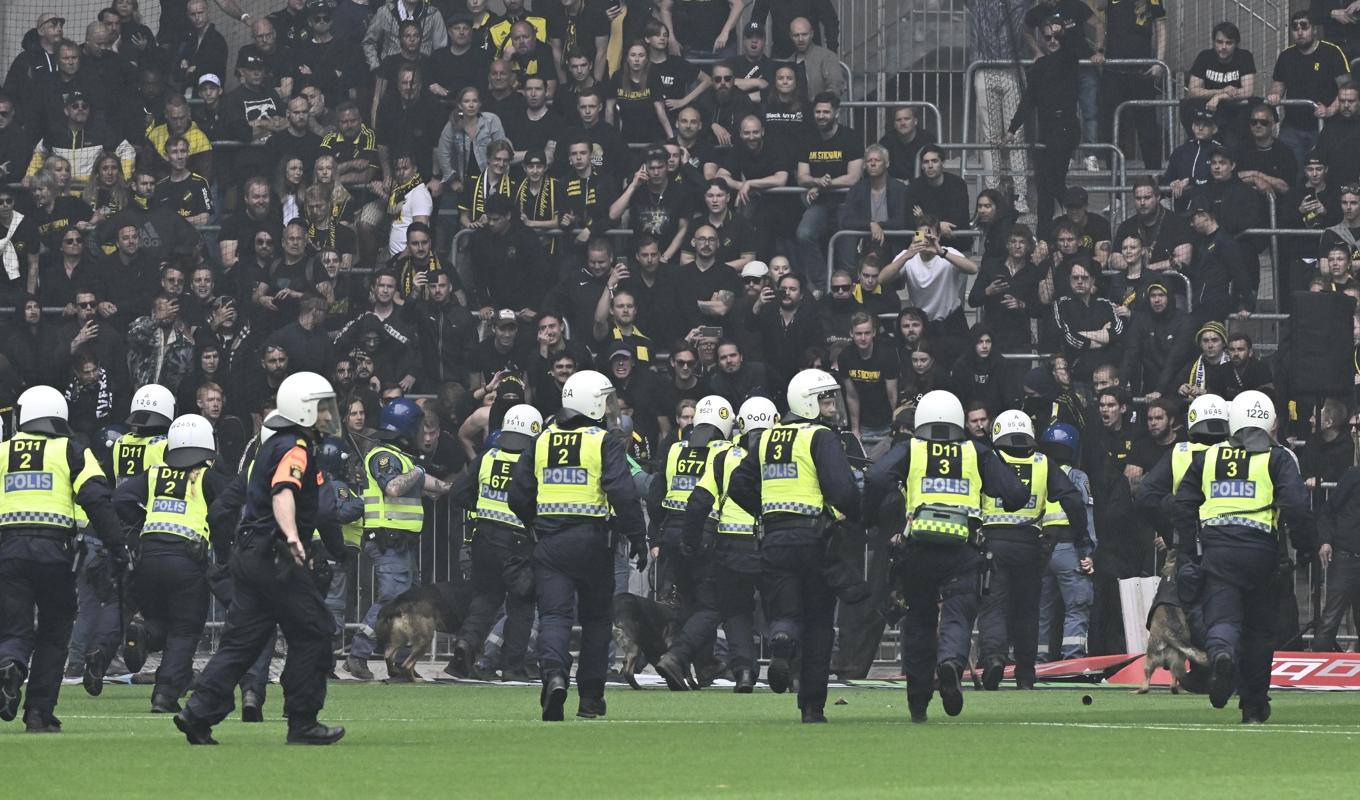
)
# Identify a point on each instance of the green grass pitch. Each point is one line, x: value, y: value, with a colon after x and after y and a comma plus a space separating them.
x: 474, y: 741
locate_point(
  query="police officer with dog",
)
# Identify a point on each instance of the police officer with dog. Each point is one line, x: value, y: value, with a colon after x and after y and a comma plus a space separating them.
x: 270, y: 579
x: 1236, y: 492
x: 501, y: 550
x: 169, y: 504
x: 46, y: 476
x: 942, y: 570
x: 1019, y: 551
x: 796, y: 480
x: 722, y: 537
x: 567, y: 486
x: 394, y: 516
x: 133, y: 453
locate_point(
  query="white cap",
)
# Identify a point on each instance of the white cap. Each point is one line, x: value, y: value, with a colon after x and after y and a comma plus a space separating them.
x: 209, y: 77
x: 755, y: 269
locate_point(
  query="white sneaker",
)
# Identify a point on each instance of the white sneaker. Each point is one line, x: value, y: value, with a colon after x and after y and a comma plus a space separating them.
x: 1092, y: 164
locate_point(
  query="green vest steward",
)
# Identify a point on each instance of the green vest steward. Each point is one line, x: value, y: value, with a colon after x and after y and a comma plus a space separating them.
x: 1033, y: 472
x: 1237, y: 489
x: 175, y: 504
x: 570, y: 466
x: 788, y: 478
x: 39, y: 489
x: 685, y: 465
x: 1054, y: 516
x: 943, y: 490
x: 494, y: 479
x: 392, y: 513
x: 136, y: 453
x: 1181, y: 455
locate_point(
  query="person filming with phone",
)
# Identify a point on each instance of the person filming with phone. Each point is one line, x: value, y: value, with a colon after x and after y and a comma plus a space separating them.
x: 935, y: 276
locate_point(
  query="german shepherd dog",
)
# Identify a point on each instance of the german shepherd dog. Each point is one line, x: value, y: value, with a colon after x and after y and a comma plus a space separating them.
x: 1169, y: 642
x: 414, y: 617
x: 642, y: 627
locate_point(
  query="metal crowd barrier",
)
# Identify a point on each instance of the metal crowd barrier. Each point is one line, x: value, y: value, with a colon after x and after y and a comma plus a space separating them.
x: 896, y: 104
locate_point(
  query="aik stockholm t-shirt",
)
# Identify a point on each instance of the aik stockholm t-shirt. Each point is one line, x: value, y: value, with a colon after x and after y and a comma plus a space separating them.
x: 831, y: 156
x: 1217, y: 74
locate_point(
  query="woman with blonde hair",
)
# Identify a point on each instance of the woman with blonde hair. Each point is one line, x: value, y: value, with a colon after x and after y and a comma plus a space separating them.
x: 323, y: 175
x: 106, y: 190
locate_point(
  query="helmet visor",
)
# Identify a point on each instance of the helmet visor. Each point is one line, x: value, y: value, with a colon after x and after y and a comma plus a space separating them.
x: 613, y: 419
x: 328, y: 416
x: 831, y: 409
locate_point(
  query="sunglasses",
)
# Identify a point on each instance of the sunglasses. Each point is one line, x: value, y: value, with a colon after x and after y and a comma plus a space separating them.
x: 751, y: 281
x: 78, y: 104
x: 6, y: 201
x: 7, y: 112
x: 724, y: 79
x: 840, y: 287
x: 1051, y: 38
x: 73, y: 240
x: 86, y: 305
x: 687, y: 363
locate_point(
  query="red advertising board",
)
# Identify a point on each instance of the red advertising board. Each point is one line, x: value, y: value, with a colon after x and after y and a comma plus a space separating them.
x: 1290, y: 670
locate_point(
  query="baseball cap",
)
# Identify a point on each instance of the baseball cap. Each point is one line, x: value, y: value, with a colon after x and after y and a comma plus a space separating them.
x: 622, y: 352
x: 505, y: 317
x: 459, y: 18
x: 752, y: 30
x: 1217, y: 149
x: 210, y: 78
x: 1204, y: 115
x: 1201, y: 205
x: 1314, y: 157
x: 1074, y: 197
x: 535, y: 157
x: 77, y: 97
x: 319, y: 5
x: 249, y: 57
x: 43, y: 19
x: 755, y: 269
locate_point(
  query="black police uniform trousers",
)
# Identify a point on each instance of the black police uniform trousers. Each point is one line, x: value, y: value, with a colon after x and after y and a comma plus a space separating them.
x: 939, y: 586
x: 1241, y: 605
x: 675, y: 570
x: 99, y: 614
x: 268, y: 592
x: 725, y: 593
x: 172, y: 589
x: 1010, y: 610
x: 574, y: 578
x: 256, y: 678
x: 799, y: 602
x: 49, y: 587
x: 493, y: 547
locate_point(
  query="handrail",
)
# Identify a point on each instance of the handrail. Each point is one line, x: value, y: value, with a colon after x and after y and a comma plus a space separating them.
x: 894, y: 104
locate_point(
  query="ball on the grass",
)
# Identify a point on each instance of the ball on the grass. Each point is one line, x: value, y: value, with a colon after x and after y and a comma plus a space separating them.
x: 1086, y: 700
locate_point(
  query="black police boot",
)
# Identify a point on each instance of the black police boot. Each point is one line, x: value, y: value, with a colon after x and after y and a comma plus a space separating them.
x: 484, y: 670
x: 1025, y: 682
x: 992, y: 674
x: 950, y: 675
x: 134, y: 645
x: 781, y: 652
x: 1221, y: 680
x: 36, y: 721
x: 164, y: 702
x: 553, y: 696
x: 252, y: 710
x: 1255, y: 713
x: 460, y: 666
x: 917, y: 707
x: 812, y: 715
x: 196, y: 731
x: 11, y: 690
x: 592, y: 703
x: 96, y: 663
x: 746, y: 681
x: 670, y: 667
x: 315, y: 733
x: 516, y: 673
x: 358, y: 667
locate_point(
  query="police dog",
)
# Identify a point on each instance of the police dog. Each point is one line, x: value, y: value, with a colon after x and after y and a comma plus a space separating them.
x: 413, y: 618
x: 1169, y: 642
x: 642, y: 627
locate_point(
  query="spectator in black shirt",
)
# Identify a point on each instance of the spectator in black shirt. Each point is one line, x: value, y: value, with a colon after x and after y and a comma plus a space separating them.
x: 705, y: 289
x: 753, y: 69
x: 1263, y: 162
x: 202, y: 51
x: 1236, y: 205
x: 251, y: 112
x: 1165, y: 236
x: 530, y: 57
x: 673, y: 74
x: 869, y: 369
x: 939, y: 194
x: 507, y: 263
x: 653, y: 206
x: 737, y: 379
x: 786, y: 110
x: 1339, y: 143
x: 786, y: 318
x: 904, y: 142
x: 579, y: 79
x: 1007, y: 289
x: 829, y: 159
x: 608, y: 153
x: 578, y: 292
x: 751, y: 168
x: 1220, y: 80
x: 1134, y: 29
x: 736, y: 239
x: 1246, y: 370
x: 725, y: 106
x: 1159, y: 340
x: 408, y: 55
x: 1309, y: 69
x: 1317, y: 200
x: 652, y: 284
x: 634, y: 100
x: 458, y: 65
x: 539, y: 128
x: 826, y: 25
x: 1051, y: 93
x: 1093, y: 230
x: 579, y: 26
x: 1220, y: 273
x: 1091, y: 330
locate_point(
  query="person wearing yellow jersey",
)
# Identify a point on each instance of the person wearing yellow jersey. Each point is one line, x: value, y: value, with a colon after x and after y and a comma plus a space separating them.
x: 394, y: 516
x: 795, y: 481
x: 1235, y: 493
x: 1010, y: 610
x: 573, y: 486
x: 501, y: 548
x: 44, y: 476
x: 166, y: 508
x: 943, y: 476
x: 723, y: 536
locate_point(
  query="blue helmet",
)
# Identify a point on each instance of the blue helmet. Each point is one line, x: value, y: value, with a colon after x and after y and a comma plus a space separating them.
x: 1060, y: 437
x: 402, y: 416
x: 331, y: 456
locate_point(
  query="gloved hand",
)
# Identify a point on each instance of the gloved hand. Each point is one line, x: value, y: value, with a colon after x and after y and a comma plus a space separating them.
x: 637, y: 550
x: 119, y: 557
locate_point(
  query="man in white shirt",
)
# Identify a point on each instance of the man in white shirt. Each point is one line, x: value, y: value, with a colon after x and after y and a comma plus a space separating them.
x: 408, y: 202
x: 935, y: 277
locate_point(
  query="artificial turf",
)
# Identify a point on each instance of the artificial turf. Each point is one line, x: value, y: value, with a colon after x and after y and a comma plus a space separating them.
x: 486, y: 741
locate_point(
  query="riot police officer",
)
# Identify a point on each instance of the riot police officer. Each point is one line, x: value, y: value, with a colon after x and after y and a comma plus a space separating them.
x: 567, y: 486
x: 1237, y: 491
x: 1067, y: 573
x: 943, y: 476
x: 269, y: 578
x: 1208, y: 421
x: 394, y: 516
x: 46, y: 475
x: 1010, y: 610
x: 169, y: 503
x: 501, y: 550
x: 133, y: 453
x: 795, y: 480
x: 723, y: 535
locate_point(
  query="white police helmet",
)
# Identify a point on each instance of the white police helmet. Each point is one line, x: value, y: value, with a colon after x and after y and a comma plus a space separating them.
x: 521, y: 424
x: 806, y: 392
x: 714, y: 410
x: 1208, y: 416
x: 757, y: 414
x: 307, y: 400
x: 1013, y: 429
x: 939, y: 417
x: 190, y: 441
x: 1251, y: 409
x: 152, y: 405
x: 43, y: 409
x: 590, y: 394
